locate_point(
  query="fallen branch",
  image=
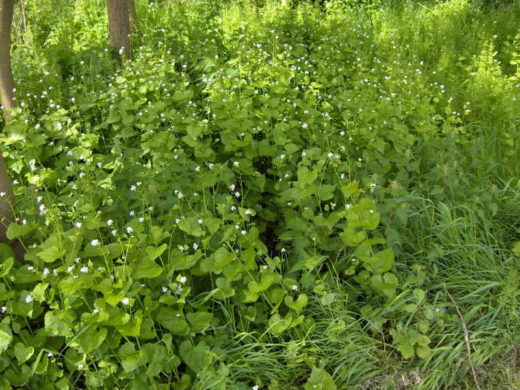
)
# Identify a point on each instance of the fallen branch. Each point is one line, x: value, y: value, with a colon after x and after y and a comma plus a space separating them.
x: 466, y: 338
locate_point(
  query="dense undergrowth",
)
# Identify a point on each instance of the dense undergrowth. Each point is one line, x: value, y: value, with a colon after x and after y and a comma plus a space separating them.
x: 264, y: 198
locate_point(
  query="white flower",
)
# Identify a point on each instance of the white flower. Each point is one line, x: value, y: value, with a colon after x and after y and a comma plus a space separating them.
x: 125, y: 301
x: 200, y: 221
x: 69, y: 269
x: 2, y: 194
x: 131, y: 213
x: 233, y: 208
x: 78, y: 224
x: 348, y: 206
x: 330, y: 155
x: 282, y: 156
x: 110, y: 222
x: 95, y: 311
x: 45, y: 271
x: 183, y: 279
x: 80, y: 366
x: 197, y: 168
x: 3, y: 309
x: 38, y: 199
x: 255, y: 387
x: 294, y: 287
x: 305, y: 125
x: 49, y: 354
x: 114, y: 232
x: 164, y: 289
x: 236, y: 164
x: 129, y: 229
x: 248, y: 212
x: 140, y: 219
x: 133, y: 188
x: 83, y: 269
x: 195, y: 246
x: 237, y: 194
x: 28, y: 299
x: 244, y: 232
x: 211, y: 165
x: 94, y: 242
x: 373, y: 185
x: 232, y: 187
x: 30, y: 268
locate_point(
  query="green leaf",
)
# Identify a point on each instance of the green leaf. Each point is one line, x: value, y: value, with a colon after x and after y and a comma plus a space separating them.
x: 216, y: 262
x: 147, y: 269
x: 196, y: 357
x: 297, y: 305
x: 155, y: 252
x: 199, y: 321
x: 59, y: 322
x: 6, y: 336
x: 15, y: 231
x: 278, y: 324
x: 320, y: 380
x: 386, y: 283
x: 191, y: 226
x: 352, y: 237
x: 51, y: 254
x: 306, y: 177
x: 351, y: 189
x: 181, y: 261
x: 173, y: 321
x: 91, y: 339
x: 6, y: 265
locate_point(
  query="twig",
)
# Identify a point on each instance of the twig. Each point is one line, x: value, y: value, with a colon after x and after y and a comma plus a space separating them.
x: 466, y: 338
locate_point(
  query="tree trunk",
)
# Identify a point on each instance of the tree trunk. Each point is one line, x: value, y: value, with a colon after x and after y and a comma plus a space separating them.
x: 7, y: 101
x: 133, y: 14
x: 119, y: 26
x: 6, y: 73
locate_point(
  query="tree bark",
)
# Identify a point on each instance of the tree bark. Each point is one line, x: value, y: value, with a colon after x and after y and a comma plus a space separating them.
x: 6, y: 73
x: 133, y: 14
x: 7, y: 101
x: 119, y: 26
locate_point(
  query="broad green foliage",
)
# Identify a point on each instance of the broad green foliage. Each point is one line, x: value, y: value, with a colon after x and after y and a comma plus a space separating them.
x: 245, y: 177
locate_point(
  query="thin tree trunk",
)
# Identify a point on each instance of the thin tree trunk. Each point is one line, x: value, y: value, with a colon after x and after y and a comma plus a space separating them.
x: 119, y: 26
x: 133, y: 14
x: 6, y: 73
x: 7, y: 101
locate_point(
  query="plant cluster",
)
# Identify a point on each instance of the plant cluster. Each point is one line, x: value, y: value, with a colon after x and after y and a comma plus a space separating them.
x: 231, y: 204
